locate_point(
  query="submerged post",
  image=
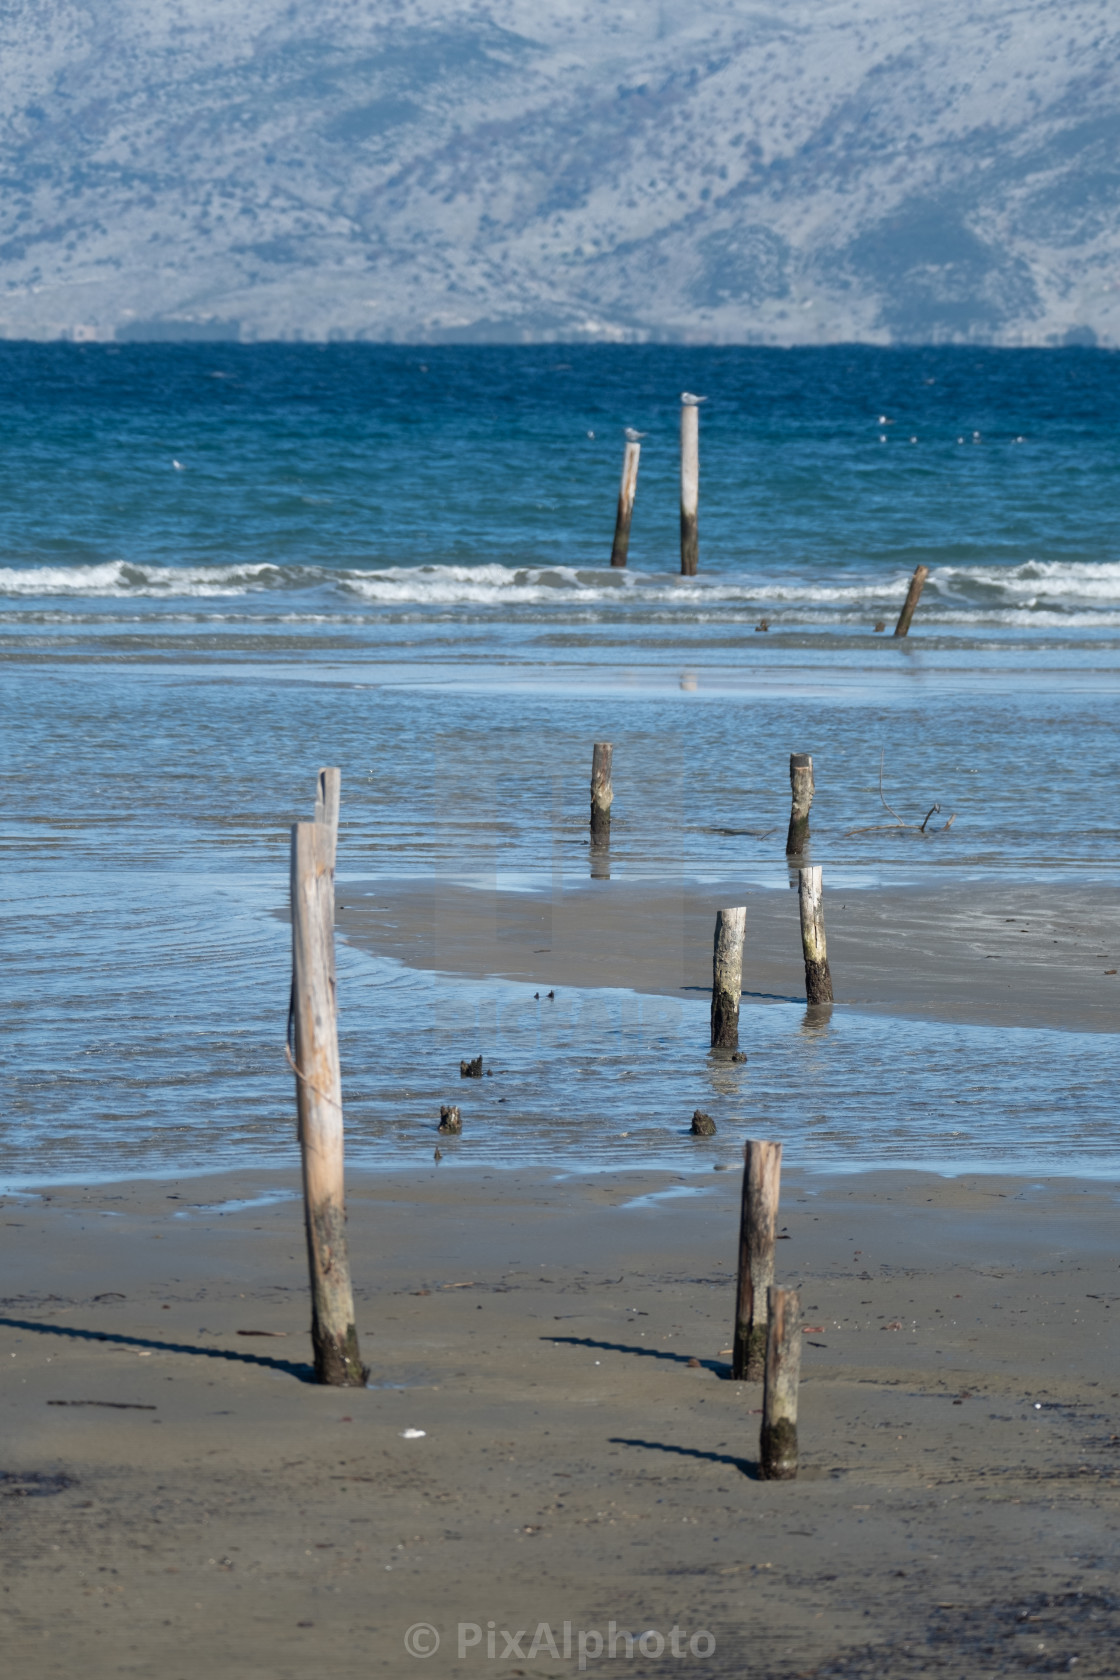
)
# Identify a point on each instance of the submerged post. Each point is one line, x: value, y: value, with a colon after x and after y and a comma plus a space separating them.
x: 334, y: 1336
x: 690, y: 484
x: 801, y: 786
x: 602, y: 794
x: 810, y: 898
x: 627, y: 491
x: 762, y: 1175
x: 913, y: 595
x: 727, y: 977
x: 778, y: 1445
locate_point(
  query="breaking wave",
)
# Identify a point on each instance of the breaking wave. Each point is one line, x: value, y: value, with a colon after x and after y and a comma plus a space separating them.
x: 1037, y: 593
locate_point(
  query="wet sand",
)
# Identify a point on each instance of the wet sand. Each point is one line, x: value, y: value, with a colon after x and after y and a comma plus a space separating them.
x: 560, y: 1340
x: 1017, y: 954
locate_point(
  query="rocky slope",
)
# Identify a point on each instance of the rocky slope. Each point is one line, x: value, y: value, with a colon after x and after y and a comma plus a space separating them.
x: 507, y: 169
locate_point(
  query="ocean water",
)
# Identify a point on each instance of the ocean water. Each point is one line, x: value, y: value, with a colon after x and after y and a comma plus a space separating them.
x: 222, y: 566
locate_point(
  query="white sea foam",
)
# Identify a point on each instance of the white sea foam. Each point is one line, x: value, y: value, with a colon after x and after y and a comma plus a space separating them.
x: 1038, y: 593
x: 113, y: 579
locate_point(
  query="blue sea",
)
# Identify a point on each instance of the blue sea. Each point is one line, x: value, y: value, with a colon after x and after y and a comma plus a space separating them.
x: 222, y: 566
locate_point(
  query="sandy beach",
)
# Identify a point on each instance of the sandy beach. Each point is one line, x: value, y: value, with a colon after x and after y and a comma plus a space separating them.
x: 180, y: 1499
x: 1015, y: 953
x: 225, y: 566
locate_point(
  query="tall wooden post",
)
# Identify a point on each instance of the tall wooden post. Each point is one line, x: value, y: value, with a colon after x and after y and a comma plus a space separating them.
x: 334, y: 1336
x: 627, y: 491
x: 602, y: 794
x: 690, y: 488
x: 913, y: 595
x: 778, y: 1444
x: 328, y: 796
x: 810, y: 899
x: 801, y: 786
x: 727, y: 977
x: 762, y: 1176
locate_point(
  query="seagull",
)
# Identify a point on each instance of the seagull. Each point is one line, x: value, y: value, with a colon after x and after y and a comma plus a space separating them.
x: 690, y: 401
x: 439, y: 1153
x: 631, y: 435
x: 178, y: 465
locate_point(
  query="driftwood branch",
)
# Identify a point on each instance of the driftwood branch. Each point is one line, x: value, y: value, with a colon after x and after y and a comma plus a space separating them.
x: 900, y: 822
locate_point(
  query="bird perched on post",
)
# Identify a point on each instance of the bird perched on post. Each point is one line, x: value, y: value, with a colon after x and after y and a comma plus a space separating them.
x: 631, y: 435
x: 690, y: 401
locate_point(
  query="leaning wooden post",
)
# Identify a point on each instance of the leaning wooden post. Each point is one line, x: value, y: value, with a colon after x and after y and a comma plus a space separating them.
x: 690, y: 488
x: 334, y: 1337
x: 778, y: 1446
x: 627, y: 491
x: 727, y: 977
x: 801, y: 785
x: 328, y: 795
x: 602, y: 794
x: 810, y: 898
x: 912, y: 596
x: 762, y: 1176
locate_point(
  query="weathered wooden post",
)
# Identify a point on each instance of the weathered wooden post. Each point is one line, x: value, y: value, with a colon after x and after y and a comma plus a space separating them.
x: 912, y: 597
x: 727, y: 977
x: 602, y: 794
x: 801, y: 786
x: 778, y: 1444
x: 762, y: 1176
x: 328, y: 796
x: 627, y: 491
x: 334, y: 1336
x: 810, y: 899
x: 690, y: 483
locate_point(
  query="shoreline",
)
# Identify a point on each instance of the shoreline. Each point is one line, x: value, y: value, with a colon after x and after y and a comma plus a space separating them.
x: 584, y: 1456
x: 921, y: 952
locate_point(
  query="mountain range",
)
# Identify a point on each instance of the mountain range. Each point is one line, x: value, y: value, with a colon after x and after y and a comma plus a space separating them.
x: 529, y: 170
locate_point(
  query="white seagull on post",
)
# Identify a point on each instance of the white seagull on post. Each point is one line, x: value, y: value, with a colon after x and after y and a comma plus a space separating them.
x: 690, y: 401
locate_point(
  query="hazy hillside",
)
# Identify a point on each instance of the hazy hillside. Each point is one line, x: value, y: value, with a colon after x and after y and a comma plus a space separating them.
x: 825, y: 169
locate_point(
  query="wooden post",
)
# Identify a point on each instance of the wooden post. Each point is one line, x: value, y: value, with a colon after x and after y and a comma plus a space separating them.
x: 602, y: 794
x: 727, y: 977
x: 627, y: 491
x: 328, y: 798
x: 690, y: 488
x: 810, y: 898
x: 328, y: 795
x: 778, y: 1445
x: 334, y: 1336
x: 762, y: 1176
x: 801, y: 784
x: 912, y: 595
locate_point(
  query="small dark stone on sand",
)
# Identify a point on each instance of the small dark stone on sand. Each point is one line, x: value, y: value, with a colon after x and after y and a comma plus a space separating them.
x: 33, y: 1484
x: 702, y: 1124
